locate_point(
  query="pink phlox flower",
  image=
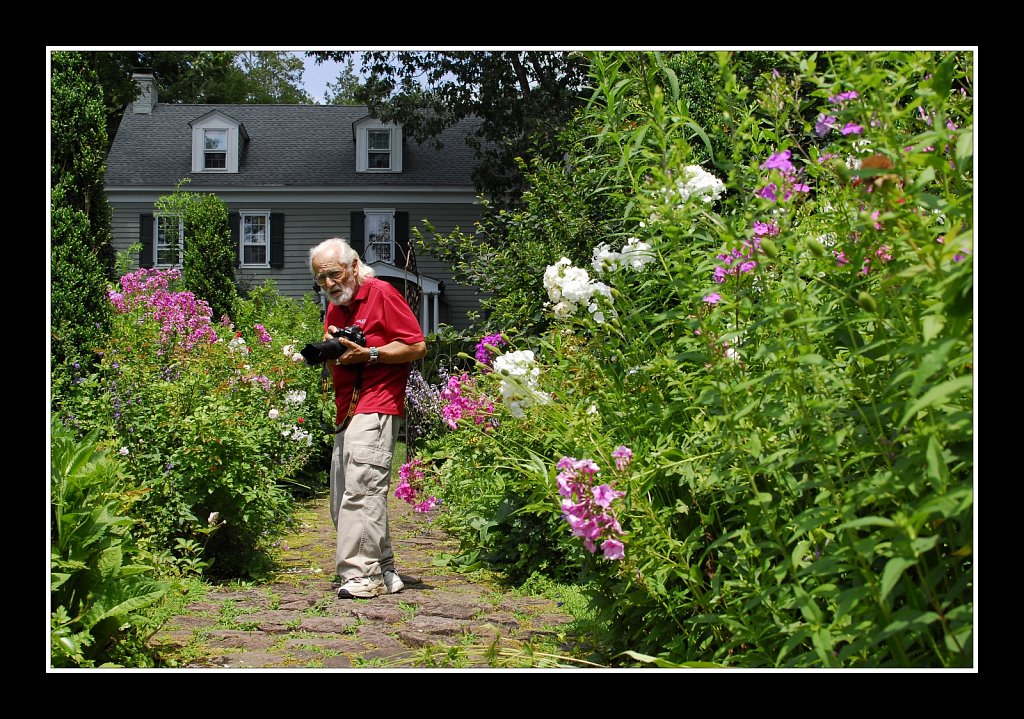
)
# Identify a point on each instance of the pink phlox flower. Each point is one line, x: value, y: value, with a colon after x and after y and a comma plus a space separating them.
x: 852, y: 128
x: 766, y: 228
x: 565, y: 483
x: 768, y: 192
x: 883, y: 253
x: 587, y: 466
x: 613, y: 549
x: 262, y: 335
x: 713, y: 298
x: 840, y: 258
x: 604, y: 494
x: 623, y: 455
x: 565, y: 463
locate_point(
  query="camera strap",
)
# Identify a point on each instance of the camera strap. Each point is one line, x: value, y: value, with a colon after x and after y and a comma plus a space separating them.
x: 355, y: 400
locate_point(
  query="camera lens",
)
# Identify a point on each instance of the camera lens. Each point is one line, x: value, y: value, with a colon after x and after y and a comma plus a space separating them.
x: 319, y: 352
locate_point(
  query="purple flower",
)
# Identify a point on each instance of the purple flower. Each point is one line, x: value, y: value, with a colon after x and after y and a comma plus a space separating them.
x: 852, y: 128
x: 779, y: 161
x: 714, y: 298
x: 843, y: 97
x: 824, y: 124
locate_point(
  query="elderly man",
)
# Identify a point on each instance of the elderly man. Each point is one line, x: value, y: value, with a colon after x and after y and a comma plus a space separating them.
x: 369, y: 391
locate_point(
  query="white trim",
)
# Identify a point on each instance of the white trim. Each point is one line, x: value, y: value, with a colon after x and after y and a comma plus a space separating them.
x: 400, y: 195
x: 242, y: 214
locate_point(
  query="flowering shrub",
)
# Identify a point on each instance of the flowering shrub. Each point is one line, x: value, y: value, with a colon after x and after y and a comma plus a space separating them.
x: 208, y: 418
x: 793, y: 370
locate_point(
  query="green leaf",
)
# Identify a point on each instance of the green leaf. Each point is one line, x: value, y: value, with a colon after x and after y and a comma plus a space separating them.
x: 664, y: 663
x: 937, y: 394
x: 131, y: 604
x: 109, y: 561
x: 909, y: 619
x: 891, y: 574
x: 925, y: 178
x: 932, y: 362
x: 937, y: 472
x: 811, y: 359
x: 964, y: 149
x: 867, y: 521
x: 942, y: 77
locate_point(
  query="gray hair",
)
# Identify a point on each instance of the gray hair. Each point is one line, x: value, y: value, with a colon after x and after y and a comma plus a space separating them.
x: 339, y: 249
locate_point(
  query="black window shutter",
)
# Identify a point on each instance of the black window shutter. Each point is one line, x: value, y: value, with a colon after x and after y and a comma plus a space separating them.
x: 277, y: 239
x: 146, y: 238
x: 358, y: 230
x: 236, y: 234
x: 401, y: 238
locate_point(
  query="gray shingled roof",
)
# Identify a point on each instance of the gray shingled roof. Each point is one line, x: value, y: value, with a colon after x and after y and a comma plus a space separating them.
x: 289, y: 146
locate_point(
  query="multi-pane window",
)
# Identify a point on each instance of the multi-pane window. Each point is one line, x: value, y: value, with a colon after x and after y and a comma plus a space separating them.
x: 378, y: 149
x: 380, y: 236
x: 215, y: 149
x: 169, y: 242
x: 255, y: 241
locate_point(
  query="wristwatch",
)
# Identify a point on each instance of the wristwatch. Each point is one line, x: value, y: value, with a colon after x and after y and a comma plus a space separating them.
x: 374, y: 354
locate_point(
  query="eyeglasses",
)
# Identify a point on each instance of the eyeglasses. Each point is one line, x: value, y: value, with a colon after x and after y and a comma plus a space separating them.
x: 334, y: 275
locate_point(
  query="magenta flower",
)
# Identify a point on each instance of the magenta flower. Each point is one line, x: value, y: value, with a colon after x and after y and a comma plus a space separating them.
x: 852, y: 128
x: 714, y: 298
x: 587, y: 508
x: 488, y: 347
x: 262, y: 335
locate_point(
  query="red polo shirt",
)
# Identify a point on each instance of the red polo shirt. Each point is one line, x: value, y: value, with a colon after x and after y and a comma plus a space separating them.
x: 384, y: 316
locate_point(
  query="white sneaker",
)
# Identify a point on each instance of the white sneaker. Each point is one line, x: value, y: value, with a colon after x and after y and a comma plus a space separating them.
x: 393, y: 582
x: 362, y: 588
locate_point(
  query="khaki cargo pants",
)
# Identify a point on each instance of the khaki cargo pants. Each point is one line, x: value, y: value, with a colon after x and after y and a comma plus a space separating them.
x: 360, y: 477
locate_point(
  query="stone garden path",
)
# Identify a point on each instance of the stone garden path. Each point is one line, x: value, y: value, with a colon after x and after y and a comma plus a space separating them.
x: 441, y: 619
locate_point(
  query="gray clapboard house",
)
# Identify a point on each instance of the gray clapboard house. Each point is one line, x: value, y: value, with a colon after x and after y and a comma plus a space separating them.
x: 291, y: 176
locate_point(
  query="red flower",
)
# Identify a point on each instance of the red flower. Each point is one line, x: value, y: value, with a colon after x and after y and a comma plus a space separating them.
x: 238, y: 334
x: 300, y: 420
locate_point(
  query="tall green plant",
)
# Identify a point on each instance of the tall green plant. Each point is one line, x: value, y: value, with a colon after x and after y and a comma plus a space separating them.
x: 81, y: 254
x: 210, y: 255
x: 96, y: 588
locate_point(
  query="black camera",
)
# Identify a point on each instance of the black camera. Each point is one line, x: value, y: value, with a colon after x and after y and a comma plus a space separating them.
x: 320, y: 352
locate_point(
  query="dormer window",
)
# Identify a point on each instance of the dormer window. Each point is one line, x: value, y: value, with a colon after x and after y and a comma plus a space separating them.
x: 378, y: 146
x: 215, y: 149
x: 217, y: 143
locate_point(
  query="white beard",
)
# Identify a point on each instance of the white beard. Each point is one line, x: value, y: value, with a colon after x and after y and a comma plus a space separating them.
x: 348, y: 291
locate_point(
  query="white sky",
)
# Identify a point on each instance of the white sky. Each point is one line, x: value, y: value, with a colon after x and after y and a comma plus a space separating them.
x: 315, y: 77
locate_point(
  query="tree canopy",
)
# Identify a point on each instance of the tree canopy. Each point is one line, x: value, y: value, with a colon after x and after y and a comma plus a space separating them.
x: 523, y: 99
